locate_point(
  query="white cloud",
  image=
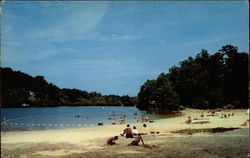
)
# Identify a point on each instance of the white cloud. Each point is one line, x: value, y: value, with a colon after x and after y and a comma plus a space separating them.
x: 71, y: 21
x: 74, y: 21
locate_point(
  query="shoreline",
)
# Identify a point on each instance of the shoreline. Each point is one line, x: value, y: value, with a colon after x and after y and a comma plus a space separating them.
x: 92, y: 140
x: 47, y: 127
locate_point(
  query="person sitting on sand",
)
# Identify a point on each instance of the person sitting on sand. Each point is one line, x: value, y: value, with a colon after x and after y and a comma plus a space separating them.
x: 245, y: 123
x: 189, y: 120
x: 202, y: 115
x: 111, y: 141
x: 113, y: 122
x: 209, y: 113
x: 222, y: 115
x: 128, y: 132
x: 136, y: 141
x: 135, y: 131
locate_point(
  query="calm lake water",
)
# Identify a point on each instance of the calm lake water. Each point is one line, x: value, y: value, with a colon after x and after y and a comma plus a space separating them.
x: 65, y: 117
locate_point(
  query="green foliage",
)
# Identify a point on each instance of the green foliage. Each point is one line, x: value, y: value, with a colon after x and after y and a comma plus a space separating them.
x: 158, y: 95
x: 206, y: 81
x: 19, y: 89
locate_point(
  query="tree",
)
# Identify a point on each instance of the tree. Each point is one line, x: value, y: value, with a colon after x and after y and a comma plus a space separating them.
x: 206, y: 81
x: 236, y: 76
x: 158, y: 95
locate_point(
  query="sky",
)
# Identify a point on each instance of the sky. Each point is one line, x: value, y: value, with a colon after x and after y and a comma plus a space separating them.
x: 113, y: 47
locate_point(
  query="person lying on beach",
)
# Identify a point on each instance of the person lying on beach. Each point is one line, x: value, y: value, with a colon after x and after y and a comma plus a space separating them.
x: 136, y: 141
x: 153, y: 132
x: 189, y: 120
x: 111, y: 141
x: 128, y: 132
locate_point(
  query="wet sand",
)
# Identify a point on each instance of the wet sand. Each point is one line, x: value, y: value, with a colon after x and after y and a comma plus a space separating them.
x: 176, y: 139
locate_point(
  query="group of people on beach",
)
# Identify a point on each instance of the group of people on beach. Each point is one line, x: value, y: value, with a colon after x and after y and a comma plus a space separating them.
x: 129, y: 133
x: 216, y: 113
x: 210, y: 113
x: 122, y: 119
x: 224, y: 115
x: 132, y: 133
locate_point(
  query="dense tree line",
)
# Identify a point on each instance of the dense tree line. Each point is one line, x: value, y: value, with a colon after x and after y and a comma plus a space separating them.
x: 206, y: 81
x: 19, y: 89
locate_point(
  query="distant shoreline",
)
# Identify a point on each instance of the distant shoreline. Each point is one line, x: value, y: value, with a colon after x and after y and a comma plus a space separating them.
x: 60, y: 106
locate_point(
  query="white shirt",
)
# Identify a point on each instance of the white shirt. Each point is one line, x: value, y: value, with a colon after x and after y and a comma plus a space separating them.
x: 135, y: 131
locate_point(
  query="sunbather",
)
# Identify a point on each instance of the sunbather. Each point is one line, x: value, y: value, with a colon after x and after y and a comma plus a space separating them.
x: 202, y: 115
x: 189, y: 120
x: 136, y: 141
x: 128, y: 132
x: 245, y: 123
x: 111, y: 141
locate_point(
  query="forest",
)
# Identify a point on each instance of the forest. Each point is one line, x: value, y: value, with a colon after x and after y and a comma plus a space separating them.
x: 22, y: 90
x: 206, y: 82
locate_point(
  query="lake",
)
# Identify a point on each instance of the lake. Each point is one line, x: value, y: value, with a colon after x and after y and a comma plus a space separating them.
x: 66, y: 117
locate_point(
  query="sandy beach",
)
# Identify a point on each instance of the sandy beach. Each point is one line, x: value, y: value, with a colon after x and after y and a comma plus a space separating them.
x: 200, y: 139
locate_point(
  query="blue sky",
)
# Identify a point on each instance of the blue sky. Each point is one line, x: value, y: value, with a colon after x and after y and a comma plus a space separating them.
x: 113, y: 47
